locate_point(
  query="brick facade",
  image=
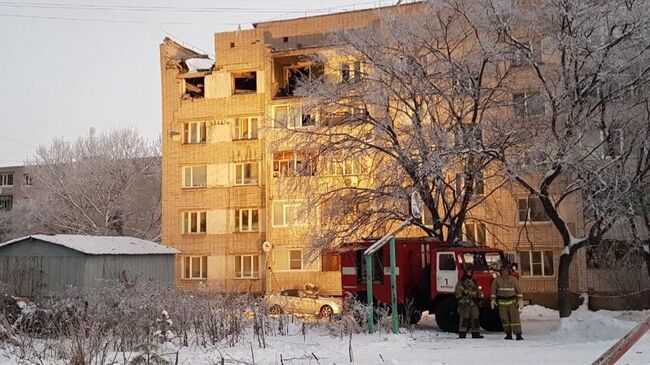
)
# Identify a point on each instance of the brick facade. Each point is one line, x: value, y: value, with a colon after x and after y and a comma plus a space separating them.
x: 263, y: 50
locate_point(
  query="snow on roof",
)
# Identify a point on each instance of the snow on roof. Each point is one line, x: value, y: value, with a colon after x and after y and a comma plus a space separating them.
x: 199, y: 64
x: 101, y: 245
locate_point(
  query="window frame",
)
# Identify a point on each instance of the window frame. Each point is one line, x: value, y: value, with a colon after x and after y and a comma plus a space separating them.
x: 295, y: 117
x: 240, y: 75
x: 188, y: 266
x: 186, y: 222
x: 303, y: 267
x: 239, y: 213
x: 6, y: 202
x: 7, y: 179
x: 528, y: 210
x: 475, y: 228
x: 252, y: 124
x: 526, y: 97
x: 201, y: 128
x: 543, y: 256
x: 191, y: 185
x: 308, y: 161
x: 255, y: 261
x: 243, y: 182
x: 287, y: 204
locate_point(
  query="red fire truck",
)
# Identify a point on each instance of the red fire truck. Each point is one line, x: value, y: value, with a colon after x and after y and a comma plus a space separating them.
x: 427, y: 273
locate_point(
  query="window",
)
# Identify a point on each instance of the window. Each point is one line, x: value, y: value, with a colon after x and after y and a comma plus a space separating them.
x: 287, y: 213
x: 289, y: 163
x: 350, y: 72
x: 195, y: 87
x: 246, y: 173
x: 247, y: 220
x: 194, y: 222
x: 342, y: 168
x: 536, y: 263
x: 292, y: 116
x: 479, y: 184
x: 6, y: 202
x: 475, y: 232
x: 195, y: 176
x: 293, y: 76
x: 446, y: 262
x: 331, y: 261
x: 247, y: 267
x: 527, y: 53
x: 195, y: 267
x: 6, y: 179
x: 194, y: 132
x: 295, y: 260
x: 613, y: 142
x: 246, y: 128
x: 28, y: 179
x: 377, y: 267
x: 345, y: 72
x: 244, y: 82
x: 531, y: 210
x: 528, y: 105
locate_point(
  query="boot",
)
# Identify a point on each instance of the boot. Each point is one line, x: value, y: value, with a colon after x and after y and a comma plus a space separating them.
x: 519, y: 338
x: 476, y: 335
x: 462, y: 334
x: 508, y: 336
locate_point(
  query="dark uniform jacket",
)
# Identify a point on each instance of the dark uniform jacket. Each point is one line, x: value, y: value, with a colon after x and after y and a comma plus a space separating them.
x: 467, y: 292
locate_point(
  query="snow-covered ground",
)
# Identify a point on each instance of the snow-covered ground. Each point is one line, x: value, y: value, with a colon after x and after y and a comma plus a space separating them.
x: 577, y: 340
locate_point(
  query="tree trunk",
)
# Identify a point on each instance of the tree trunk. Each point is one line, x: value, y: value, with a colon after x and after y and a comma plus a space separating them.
x: 564, y: 296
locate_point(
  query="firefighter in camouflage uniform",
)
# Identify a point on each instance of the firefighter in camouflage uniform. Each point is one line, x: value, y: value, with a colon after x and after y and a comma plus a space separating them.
x: 507, y: 296
x: 469, y: 296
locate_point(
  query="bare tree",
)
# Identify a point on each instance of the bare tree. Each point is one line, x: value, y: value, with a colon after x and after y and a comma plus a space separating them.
x: 405, y: 104
x: 102, y: 184
x: 586, y: 63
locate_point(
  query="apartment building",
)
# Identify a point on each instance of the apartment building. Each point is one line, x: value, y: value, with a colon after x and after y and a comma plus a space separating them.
x: 223, y: 208
x: 13, y: 182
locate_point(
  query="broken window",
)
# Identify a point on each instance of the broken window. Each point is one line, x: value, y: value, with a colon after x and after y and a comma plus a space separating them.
x: 289, y: 163
x: 351, y: 71
x: 245, y: 82
x: 295, y: 75
x: 195, y: 87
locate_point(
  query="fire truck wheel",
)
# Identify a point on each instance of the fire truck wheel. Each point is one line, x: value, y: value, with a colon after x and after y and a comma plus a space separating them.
x: 275, y: 310
x: 447, y: 315
x: 490, y: 320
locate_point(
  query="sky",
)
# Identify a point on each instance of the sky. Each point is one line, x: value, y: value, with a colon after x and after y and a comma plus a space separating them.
x: 70, y: 65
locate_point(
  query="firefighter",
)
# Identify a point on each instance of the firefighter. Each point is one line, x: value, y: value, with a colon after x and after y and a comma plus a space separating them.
x: 469, y: 295
x: 507, y: 296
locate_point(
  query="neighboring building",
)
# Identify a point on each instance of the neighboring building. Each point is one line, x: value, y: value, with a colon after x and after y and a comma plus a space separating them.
x: 221, y: 200
x: 44, y: 264
x: 13, y: 182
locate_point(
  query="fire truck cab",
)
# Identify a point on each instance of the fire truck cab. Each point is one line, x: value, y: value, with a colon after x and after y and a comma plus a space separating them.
x: 427, y: 274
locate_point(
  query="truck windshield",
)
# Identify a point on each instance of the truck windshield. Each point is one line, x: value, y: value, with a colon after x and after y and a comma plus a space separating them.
x: 480, y: 261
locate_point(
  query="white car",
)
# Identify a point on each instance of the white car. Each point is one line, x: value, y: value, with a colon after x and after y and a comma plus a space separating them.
x: 296, y: 301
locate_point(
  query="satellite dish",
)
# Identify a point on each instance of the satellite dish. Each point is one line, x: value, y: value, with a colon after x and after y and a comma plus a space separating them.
x: 416, y: 205
x: 267, y: 246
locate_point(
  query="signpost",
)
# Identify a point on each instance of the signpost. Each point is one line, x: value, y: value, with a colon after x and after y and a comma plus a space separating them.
x: 416, y: 213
